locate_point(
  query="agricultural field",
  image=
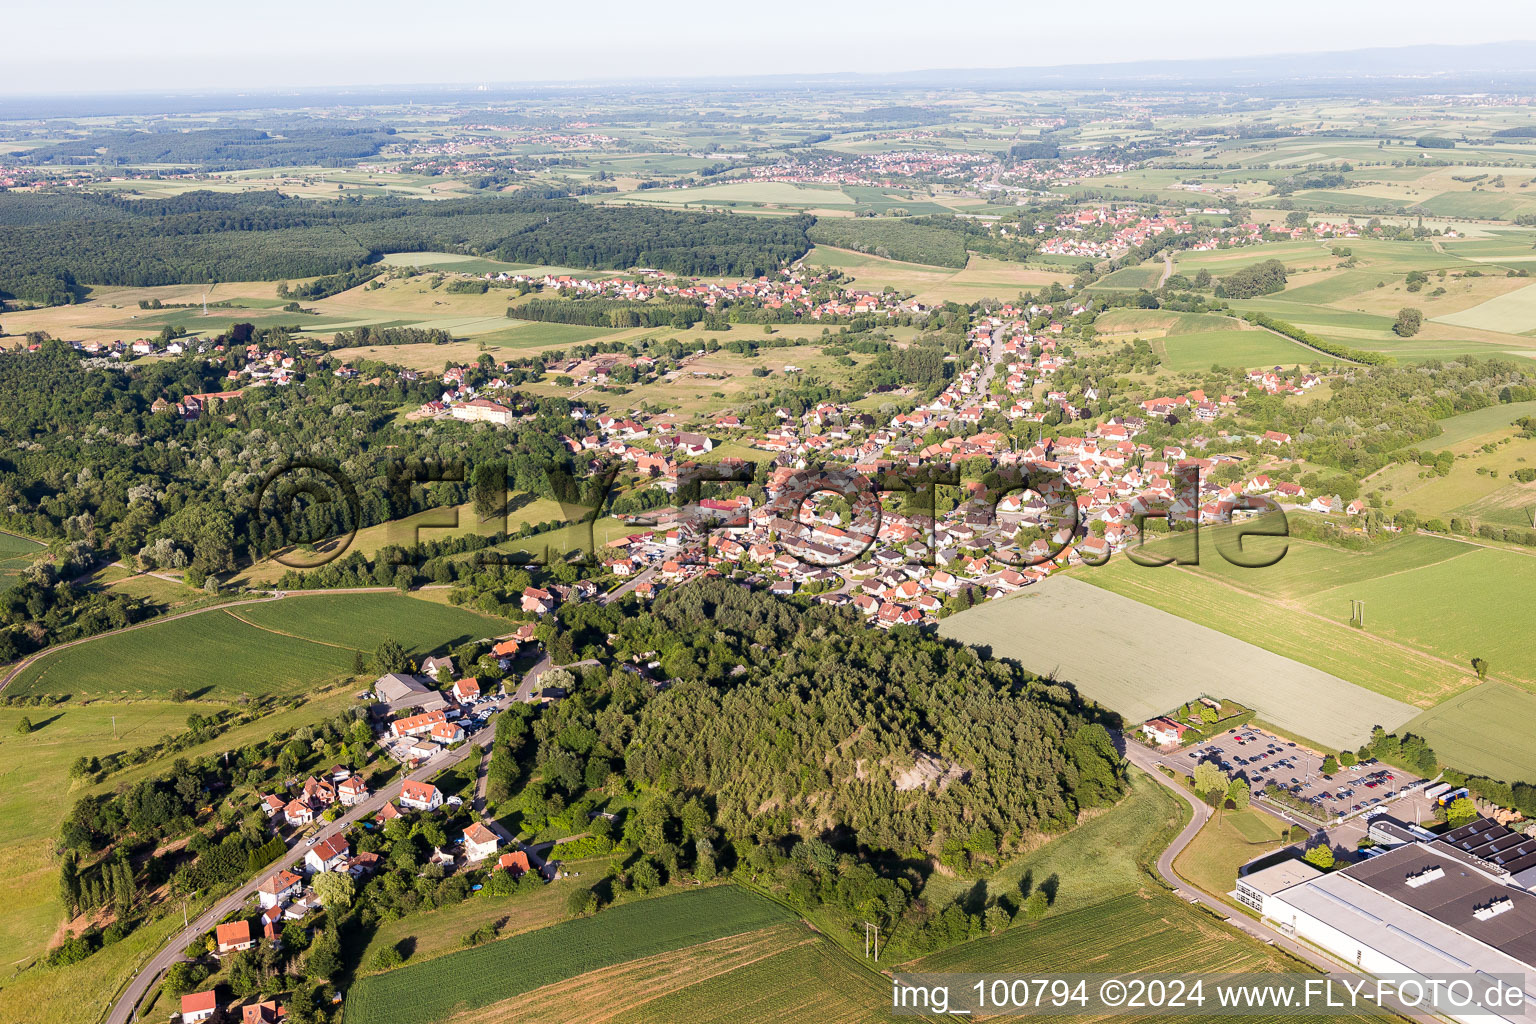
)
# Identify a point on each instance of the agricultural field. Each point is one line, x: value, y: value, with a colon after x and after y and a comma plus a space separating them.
x: 1511, y: 313
x: 783, y: 972
x: 16, y: 553
x: 478, y: 977
x: 249, y: 650
x: 1141, y: 659
x: 1485, y: 731
x: 1146, y: 275
x: 1477, y: 424
x: 982, y: 277
x: 1194, y: 353
x: 453, y: 262
x: 1149, y: 323
x: 1151, y: 932
x: 1299, y: 608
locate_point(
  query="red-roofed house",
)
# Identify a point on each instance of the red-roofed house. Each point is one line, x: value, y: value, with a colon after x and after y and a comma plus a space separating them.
x: 1164, y: 731
x: 515, y: 862
x: 280, y: 887
x: 233, y: 937
x: 420, y: 796
x: 479, y: 842
x: 198, y: 1006
x: 466, y: 689
x: 329, y: 854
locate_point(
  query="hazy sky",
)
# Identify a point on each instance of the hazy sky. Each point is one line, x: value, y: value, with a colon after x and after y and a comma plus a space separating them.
x: 109, y: 45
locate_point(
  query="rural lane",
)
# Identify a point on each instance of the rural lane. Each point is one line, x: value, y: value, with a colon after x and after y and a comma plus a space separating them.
x: 1146, y: 760
x: 123, y: 1009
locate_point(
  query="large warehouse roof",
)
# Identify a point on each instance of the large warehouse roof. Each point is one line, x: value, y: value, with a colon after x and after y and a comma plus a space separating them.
x: 1454, y: 895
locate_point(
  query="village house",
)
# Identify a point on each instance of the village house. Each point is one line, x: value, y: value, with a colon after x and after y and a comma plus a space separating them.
x: 420, y: 796
x: 279, y: 889
x: 352, y: 791
x: 1164, y: 731
x: 329, y: 854
x: 479, y: 843
x: 267, y: 1012
x: 516, y: 862
x: 199, y: 1006
x: 233, y: 937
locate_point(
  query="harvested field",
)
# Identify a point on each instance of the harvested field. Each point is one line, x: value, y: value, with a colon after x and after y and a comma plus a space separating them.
x: 1140, y: 661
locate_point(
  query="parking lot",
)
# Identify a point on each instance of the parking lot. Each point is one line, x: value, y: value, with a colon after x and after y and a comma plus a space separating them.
x: 1263, y: 758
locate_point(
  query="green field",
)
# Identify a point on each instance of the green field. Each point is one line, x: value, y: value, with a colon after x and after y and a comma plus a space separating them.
x: 1457, y: 608
x: 273, y: 647
x: 16, y: 553
x: 1300, y: 606
x: 1144, y: 276
x: 1254, y: 826
x: 34, y: 772
x: 1467, y: 425
x: 1103, y: 857
x: 363, y: 621
x: 1148, y: 932
x: 1194, y: 353
x: 477, y: 977
x: 785, y: 972
x: 1485, y: 731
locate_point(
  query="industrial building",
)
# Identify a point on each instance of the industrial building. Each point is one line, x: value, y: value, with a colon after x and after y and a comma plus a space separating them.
x: 1458, y: 903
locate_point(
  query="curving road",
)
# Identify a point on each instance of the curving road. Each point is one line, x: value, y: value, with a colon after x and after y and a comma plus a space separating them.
x: 1146, y: 760
x: 123, y: 1010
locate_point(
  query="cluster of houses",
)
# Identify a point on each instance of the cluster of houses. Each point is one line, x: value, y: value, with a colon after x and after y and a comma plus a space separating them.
x: 197, y: 1007
x: 796, y: 288
x: 1105, y: 233
x: 906, y: 571
x: 314, y: 796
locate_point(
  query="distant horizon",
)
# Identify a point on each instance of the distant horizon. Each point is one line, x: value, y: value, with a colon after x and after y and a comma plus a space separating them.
x: 176, y: 47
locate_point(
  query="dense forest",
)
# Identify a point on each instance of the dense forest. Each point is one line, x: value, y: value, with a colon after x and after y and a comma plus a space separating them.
x: 55, y: 244
x: 896, y: 238
x: 220, y: 149
x: 788, y: 743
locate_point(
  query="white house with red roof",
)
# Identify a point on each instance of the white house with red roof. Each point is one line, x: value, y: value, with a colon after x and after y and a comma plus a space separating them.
x: 420, y: 796
x: 1164, y: 731
x: 329, y: 854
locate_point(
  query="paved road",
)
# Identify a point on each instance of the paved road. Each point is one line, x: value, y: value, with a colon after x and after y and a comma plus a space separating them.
x: 1146, y: 759
x: 123, y: 1010
x: 1167, y: 268
x: 628, y: 585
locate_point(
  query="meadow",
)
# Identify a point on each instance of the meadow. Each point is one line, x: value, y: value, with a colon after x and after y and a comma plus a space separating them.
x: 251, y: 650
x: 477, y: 977
x: 1140, y: 658
x: 1105, y: 856
x: 1194, y: 353
x: 16, y: 553
x: 1478, y: 423
x: 34, y: 774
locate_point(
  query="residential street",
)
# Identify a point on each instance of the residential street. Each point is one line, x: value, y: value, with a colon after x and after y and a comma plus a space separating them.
x: 123, y: 1010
